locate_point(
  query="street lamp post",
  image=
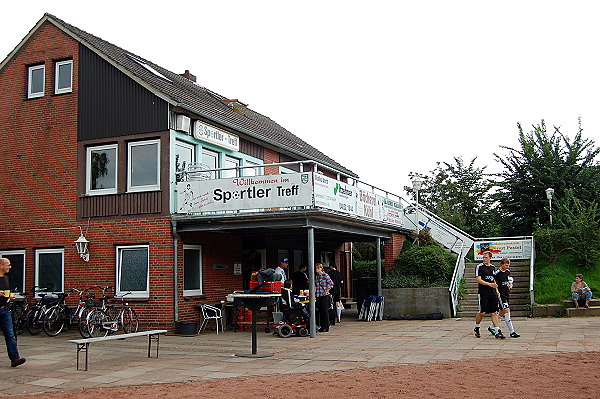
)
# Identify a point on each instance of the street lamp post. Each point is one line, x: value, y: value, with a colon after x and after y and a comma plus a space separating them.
x: 417, y: 182
x: 549, y: 195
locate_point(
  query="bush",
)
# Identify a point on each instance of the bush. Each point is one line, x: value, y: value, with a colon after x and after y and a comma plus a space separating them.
x: 394, y: 279
x: 364, y: 268
x: 432, y: 265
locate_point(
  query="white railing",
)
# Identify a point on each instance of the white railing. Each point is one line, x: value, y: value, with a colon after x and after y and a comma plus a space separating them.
x: 457, y: 276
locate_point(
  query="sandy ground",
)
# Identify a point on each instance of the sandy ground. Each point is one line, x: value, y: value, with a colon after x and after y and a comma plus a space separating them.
x: 561, y: 375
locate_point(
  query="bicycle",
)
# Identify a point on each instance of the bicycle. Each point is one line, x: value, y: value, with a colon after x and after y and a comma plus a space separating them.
x: 90, y: 306
x: 18, y: 309
x: 35, y: 315
x: 102, y: 322
x: 61, y: 316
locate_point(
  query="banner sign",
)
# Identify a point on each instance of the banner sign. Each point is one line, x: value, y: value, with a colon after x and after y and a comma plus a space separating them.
x: 511, y: 249
x: 392, y: 212
x: 333, y: 194
x: 283, y: 191
x: 216, y: 136
x: 269, y: 191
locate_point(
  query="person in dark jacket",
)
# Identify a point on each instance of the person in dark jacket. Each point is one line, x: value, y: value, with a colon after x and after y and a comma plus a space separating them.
x: 336, y: 293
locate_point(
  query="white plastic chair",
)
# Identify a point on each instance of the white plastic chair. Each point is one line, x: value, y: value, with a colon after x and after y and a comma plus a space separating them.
x: 210, y: 312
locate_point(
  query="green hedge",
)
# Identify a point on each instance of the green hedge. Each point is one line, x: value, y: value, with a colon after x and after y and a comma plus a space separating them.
x: 421, y: 266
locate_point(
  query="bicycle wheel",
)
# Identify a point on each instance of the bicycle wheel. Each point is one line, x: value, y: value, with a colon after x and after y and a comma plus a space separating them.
x: 20, y: 318
x: 129, y: 320
x: 55, y: 320
x: 96, y: 322
x: 35, y: 321
x: 114, y: 318
x: 83, y: 322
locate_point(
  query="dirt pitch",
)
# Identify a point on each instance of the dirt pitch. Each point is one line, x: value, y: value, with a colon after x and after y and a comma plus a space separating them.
x: 560, y: 375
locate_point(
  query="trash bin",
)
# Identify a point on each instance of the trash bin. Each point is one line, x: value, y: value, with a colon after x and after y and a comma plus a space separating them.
x: 189, y: 327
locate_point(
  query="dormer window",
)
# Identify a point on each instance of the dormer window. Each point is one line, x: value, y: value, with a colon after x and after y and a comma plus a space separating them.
x: 35, y: 81
x: 63, y: 77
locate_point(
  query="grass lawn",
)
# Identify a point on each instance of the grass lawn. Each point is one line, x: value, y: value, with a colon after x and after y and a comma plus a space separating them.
x: 553, y: 280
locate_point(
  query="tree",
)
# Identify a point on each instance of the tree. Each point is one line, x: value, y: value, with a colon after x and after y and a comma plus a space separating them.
x: 460, y: 194
x: 544, y: 160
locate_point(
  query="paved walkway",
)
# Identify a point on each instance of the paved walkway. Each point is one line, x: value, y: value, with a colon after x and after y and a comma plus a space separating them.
x: 351, y: 344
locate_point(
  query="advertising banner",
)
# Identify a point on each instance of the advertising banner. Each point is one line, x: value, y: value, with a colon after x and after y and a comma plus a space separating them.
x: 333, y: 194
x: 511, y: 249
x: 392, y: 212
x: 368, y: 205
x: 269, y: 191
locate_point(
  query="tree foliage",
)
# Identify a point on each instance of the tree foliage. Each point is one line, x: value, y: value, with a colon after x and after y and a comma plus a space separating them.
x: 544, y: 160
x: 458, y: 192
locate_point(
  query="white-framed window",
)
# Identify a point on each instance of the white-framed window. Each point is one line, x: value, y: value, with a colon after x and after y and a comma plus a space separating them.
x: 49, y: 269
x: 143, y: 166
x: 251, y: 171
x: 185, y: 154
x: 211, y: 159
x: 133, y: 270
x: 230, y: 162
x: 101, y: 170
x: 63, y: 77
x: 36, y: 81
x: 16, y: 275
x: 192, y: 270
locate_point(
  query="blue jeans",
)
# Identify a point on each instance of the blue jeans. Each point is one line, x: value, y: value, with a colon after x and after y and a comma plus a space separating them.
x: 6, y: 324
x: 587, y: 295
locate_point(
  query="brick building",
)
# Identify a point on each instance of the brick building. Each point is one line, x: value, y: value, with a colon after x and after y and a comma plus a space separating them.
x: 102, y: 143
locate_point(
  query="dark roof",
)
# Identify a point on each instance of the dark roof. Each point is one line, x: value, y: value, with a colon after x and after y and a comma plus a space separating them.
x: 199, y: 100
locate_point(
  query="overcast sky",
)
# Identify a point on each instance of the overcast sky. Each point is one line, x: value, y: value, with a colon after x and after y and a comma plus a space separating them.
x: 383, y: 87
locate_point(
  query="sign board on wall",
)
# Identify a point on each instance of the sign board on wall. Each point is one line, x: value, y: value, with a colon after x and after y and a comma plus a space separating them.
x: 333, y: 194
x: 511, y: 249
x: 269, y: 191
x: 211, y: 134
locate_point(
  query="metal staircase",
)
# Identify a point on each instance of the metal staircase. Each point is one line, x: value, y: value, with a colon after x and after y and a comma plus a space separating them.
x: 519, y: 295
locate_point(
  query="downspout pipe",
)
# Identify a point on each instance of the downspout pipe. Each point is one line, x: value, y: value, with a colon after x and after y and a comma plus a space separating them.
x: 175, y: 274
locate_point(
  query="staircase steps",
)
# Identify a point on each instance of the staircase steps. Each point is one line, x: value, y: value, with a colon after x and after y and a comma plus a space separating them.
x: 519, y: 295
x: 594, y: 309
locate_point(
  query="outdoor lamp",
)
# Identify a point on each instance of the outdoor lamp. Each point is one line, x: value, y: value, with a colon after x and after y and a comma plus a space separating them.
x: 81, y: 244
x: 549, y: 195
x: 417, y: 182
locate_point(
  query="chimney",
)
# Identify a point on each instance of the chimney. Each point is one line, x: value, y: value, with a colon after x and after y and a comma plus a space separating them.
x: 189, y: 76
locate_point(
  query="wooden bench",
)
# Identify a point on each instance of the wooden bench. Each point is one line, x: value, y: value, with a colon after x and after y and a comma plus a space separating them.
x: 84, y: 343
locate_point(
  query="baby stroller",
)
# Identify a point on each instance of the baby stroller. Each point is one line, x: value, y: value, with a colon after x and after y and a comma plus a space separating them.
x: 295, y: 317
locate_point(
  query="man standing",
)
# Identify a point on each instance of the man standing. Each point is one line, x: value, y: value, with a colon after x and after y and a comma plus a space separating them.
x: 281, y: 268
x: 323, y: 284
x: 299, y: 280
x: 336, y: 293
x: 6, y: 322
x: 488, y: 295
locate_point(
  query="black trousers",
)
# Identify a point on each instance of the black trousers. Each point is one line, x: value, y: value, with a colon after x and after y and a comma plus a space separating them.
x: 322, y: 304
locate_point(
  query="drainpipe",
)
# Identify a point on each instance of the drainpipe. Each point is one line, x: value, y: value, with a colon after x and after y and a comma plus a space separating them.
x: 175, y: 275
x: 378, y: 252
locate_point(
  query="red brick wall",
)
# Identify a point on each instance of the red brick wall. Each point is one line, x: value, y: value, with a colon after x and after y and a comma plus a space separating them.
x: 271, y: 156
x: 220, y: 249
x: 393, y: 249
x: 39, y: 139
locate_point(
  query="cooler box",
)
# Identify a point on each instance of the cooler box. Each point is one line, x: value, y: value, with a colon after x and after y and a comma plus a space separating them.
x: 269, y: 286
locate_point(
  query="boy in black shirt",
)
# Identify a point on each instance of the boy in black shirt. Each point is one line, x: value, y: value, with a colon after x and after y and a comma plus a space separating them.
x: 505, y: 284
x: 488, y: 295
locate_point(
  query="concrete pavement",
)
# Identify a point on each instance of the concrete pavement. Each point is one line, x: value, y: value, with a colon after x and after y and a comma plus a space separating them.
x: 351, y: 344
